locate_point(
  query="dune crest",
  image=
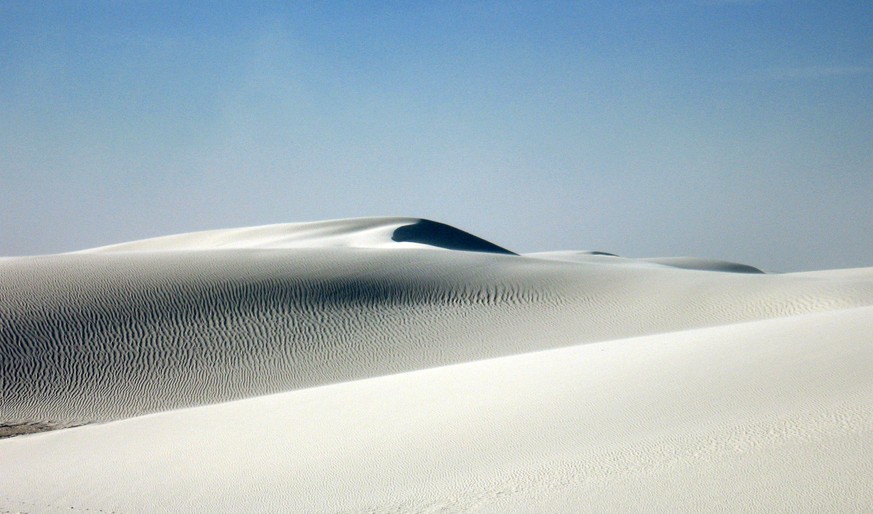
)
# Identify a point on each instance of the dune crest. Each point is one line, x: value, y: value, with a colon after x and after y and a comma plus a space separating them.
x: 386, y: 232
x: 440, y: 235
x: 688, y: 263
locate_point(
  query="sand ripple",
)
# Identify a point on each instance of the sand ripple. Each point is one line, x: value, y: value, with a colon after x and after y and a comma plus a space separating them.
x: 100, y: 336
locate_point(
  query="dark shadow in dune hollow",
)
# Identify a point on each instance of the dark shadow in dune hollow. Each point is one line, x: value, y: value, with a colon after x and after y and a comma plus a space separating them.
x: 16, y: 429
x: 444, y: 236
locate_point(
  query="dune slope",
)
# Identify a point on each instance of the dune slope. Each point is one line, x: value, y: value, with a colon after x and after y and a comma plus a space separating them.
x: 104, y: 335
x: 766, y: 416
x: 399, y: 364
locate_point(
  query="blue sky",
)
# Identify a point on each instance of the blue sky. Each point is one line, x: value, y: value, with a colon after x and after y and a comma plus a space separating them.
x: 740, y: 130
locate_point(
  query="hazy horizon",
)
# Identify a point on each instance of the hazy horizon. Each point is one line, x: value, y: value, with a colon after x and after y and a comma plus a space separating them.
x: 736, y: 130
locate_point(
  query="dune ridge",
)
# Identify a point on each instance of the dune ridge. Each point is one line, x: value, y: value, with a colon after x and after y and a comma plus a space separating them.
x: 204, y: 356
x: 689, y: 263
x: 383, y: 232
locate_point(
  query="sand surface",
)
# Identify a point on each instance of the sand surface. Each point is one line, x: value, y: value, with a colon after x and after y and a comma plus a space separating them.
x: 400, y: 365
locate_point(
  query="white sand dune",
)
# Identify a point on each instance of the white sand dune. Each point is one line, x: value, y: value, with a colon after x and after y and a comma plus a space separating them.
x: 691, y: 263
x: 409, y: 366
x: 345, y: 233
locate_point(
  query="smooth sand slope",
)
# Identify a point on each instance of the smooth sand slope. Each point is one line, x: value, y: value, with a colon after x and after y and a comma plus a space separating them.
x: 410, y: 366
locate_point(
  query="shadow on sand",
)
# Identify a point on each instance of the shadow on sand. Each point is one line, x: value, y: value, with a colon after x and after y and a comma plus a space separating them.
x: 444, y: 236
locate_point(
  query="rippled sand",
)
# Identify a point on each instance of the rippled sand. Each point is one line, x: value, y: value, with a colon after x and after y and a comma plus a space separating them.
x: 395, y: 364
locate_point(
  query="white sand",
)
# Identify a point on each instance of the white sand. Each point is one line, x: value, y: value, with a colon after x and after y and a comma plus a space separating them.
x: 525, y: 382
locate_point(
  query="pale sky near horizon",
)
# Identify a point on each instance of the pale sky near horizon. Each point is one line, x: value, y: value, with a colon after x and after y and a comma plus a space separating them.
x: 737, y: 130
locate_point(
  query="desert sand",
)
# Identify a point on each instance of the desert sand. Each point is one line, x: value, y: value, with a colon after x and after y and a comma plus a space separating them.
x: 403, y: 365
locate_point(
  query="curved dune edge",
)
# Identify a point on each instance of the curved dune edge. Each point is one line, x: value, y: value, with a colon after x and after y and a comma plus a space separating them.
x: 375, y: 232
x: 687, y: 263
x: 693, y: 263
x: 440, y: 235
x: 767, y: 415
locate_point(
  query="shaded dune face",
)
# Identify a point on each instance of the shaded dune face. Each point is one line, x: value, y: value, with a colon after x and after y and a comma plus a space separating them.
x: 705, y: 265
x: 98, y: 337
x: 106, y: 335
x: 688, y: 263
x: 445, y: 236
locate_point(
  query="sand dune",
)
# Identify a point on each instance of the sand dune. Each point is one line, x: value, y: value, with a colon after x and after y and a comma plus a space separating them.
x: 690, y: 263
x: 411, y: 366
x: 345, y: 233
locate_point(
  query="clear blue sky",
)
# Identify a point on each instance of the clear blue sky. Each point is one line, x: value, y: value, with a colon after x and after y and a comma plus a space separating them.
x: 739, y: 130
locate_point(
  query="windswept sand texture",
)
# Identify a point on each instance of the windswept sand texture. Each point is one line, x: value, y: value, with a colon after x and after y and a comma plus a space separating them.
x: 397, y: 364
